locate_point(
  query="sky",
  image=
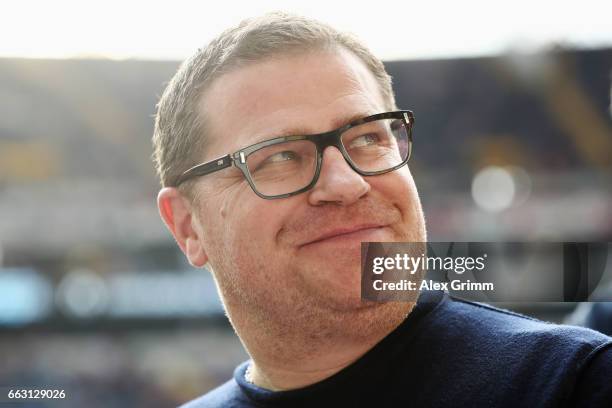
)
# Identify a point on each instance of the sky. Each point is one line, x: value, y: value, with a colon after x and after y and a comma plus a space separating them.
x: 394, y: 30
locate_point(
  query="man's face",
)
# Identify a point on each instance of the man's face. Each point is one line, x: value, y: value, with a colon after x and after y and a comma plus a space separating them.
x: 297, y: 259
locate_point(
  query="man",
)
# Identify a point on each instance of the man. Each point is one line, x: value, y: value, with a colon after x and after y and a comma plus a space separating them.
x: 279, y: 221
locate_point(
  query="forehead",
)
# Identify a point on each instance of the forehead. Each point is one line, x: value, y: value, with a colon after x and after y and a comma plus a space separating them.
x: 290, y: 94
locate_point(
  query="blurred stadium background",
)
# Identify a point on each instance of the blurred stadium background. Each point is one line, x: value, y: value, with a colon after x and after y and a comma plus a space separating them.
x: 95, y: 297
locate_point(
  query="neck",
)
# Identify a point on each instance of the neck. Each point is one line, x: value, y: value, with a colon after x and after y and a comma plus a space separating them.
x: 275, y: 375
x: 289, y: 356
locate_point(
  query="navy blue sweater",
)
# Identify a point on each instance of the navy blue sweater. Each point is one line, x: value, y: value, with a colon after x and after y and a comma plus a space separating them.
x: 453, y: 353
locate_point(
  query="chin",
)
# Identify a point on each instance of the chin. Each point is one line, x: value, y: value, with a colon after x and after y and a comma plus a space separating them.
x: 336, y: 288
x: 371, y: 319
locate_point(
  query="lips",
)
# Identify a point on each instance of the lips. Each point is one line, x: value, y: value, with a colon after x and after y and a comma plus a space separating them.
x: 340, y: 232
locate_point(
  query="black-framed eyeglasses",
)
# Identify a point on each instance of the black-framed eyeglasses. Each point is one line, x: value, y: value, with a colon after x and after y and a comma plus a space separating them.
x: 290, y: 165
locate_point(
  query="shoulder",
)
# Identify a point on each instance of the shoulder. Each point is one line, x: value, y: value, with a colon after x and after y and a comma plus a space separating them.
x: 500, y: 352
x: 226, y: 395
x: 488, y: 335
x: 504, y: 325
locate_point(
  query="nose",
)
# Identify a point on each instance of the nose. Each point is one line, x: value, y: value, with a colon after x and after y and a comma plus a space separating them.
x: 338, y: 183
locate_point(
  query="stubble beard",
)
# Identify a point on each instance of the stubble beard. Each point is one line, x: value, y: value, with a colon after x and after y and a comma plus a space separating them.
x: 296, y: 320
x: 291, y: 312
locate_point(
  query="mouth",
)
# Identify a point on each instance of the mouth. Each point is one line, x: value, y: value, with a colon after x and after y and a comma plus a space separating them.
x: 356, y: 234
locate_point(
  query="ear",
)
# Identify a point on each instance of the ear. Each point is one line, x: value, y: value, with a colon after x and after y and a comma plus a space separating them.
x: 177, y: 213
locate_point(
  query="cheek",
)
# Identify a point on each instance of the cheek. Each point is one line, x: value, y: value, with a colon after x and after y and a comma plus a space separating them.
x: 397, y: 187
x: 250, y: 266
x: 400, y: 190
x: 248, y: 228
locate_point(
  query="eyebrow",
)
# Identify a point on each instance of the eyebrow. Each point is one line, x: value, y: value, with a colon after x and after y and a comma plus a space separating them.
x: 301, y: 131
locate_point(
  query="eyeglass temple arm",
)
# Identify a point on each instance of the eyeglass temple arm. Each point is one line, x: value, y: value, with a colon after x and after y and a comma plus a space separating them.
x: 205, y: 168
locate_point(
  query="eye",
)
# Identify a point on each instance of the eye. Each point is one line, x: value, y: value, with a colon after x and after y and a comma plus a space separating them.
x: 365, y: 140
x: 281, y: 157
x: 285, y: 156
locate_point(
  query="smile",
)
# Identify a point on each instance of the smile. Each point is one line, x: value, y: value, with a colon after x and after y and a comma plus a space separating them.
x: 354, y: 235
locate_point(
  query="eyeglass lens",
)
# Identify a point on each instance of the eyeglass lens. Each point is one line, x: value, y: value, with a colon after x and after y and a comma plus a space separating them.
x: 290, y: 166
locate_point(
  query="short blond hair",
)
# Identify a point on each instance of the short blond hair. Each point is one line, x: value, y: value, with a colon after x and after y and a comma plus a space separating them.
x: 179, y: 137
